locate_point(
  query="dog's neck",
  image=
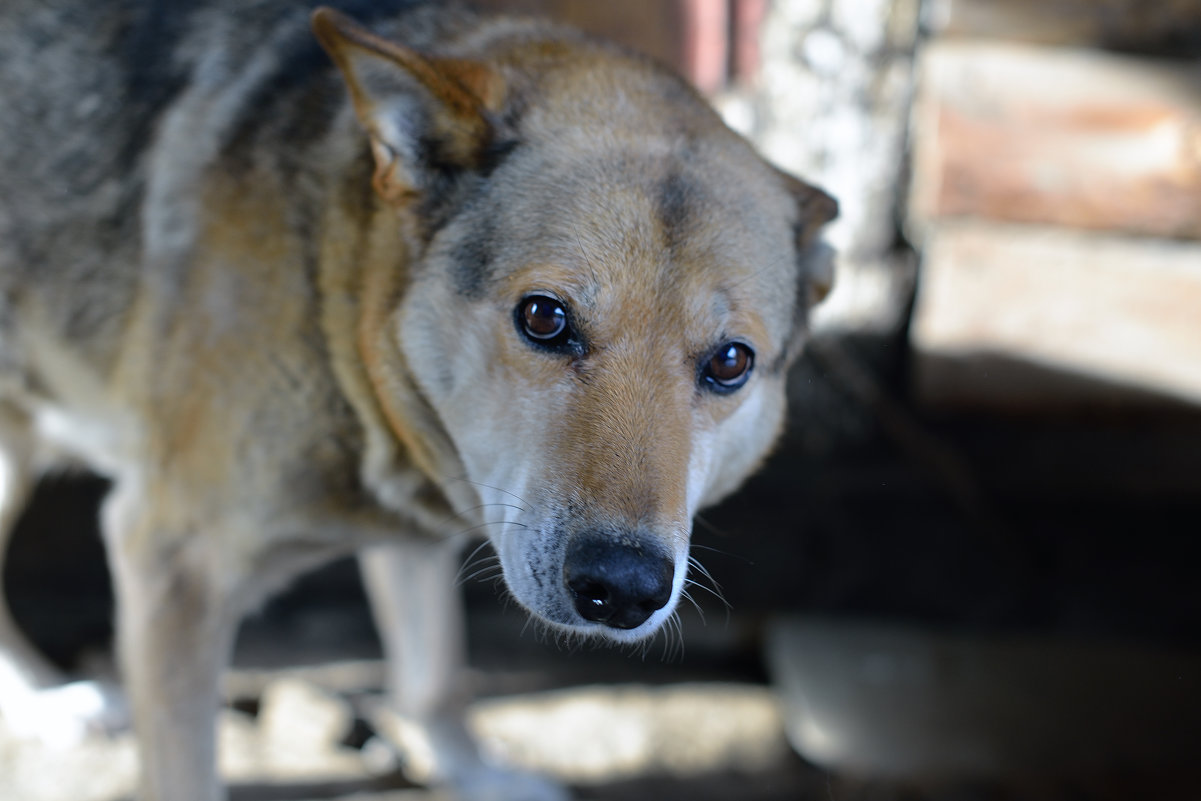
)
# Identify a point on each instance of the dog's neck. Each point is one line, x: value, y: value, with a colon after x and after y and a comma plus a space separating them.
x: 408, y: 464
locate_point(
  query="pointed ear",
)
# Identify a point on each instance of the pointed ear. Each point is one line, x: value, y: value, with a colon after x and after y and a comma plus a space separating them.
x: 816, y: 209
x: 420, y: 112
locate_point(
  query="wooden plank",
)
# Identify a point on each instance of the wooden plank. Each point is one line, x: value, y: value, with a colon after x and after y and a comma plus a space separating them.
x: 1163, y: 26
x: 1068, y: 137
x: 1016, y: 317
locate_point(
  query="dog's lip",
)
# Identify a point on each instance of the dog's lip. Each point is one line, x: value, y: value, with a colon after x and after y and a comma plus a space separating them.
x: 599, y: 631
x: 640, y: 632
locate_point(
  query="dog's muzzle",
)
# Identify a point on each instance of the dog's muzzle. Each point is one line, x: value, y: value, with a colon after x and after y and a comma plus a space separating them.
x: 617, y: 584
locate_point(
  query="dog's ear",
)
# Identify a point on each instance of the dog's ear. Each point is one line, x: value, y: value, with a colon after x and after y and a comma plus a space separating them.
x: 420, y: 112
x: 816, y: 208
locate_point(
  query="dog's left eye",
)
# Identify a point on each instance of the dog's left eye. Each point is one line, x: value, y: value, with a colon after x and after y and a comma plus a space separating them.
x: 728, y: 367
x: 544, y: 321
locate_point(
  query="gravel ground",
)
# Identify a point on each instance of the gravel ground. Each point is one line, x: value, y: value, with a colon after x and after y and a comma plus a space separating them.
x: 298, y: 737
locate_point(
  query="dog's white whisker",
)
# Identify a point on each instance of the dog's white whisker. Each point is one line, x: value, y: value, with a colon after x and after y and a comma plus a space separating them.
x: 642, y: 648
x: 464, y: 532
x: 705, y: 524
x: 474, y: 553
x: 687, y: 596
x: 482, y: 576
x: 587, y: 259
x: 525, y: 506
x: 483, y: 569
x: 715, y: 593
x: 488, y: 568
x: 673, y: 638
x: 465, y: 512
x: 715, y: 590
x: 710, y: 548
x: 704, y: 571
x: 485, y: 543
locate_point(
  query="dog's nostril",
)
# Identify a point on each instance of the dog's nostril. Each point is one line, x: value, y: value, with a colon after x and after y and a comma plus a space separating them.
x: 591, y: 599
x: 617, y: 585
x: 652, y: 605
x: 590, y: 591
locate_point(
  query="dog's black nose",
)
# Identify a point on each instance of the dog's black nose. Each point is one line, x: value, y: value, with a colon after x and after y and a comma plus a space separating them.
x: 616, y: 584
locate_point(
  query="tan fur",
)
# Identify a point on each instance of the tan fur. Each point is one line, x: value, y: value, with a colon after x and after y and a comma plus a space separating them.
x: 279, y: 305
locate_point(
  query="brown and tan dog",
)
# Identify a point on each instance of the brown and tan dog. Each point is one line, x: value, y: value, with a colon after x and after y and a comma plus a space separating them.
x: 515, y: 280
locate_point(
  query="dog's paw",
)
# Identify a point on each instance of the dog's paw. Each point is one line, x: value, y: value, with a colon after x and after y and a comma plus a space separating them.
x: 66, y: 715
x: 499, y: 784
x: 442, y: 753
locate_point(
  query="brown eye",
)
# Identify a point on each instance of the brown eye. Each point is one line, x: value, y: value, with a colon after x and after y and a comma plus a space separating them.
x: 729, y: 367
x: 544, y: 321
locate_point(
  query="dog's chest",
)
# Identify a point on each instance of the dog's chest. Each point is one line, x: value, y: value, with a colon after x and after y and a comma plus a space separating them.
x: 100, y: 440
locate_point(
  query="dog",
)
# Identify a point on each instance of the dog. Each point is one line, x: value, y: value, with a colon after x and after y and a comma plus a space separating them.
x: 371, y: 279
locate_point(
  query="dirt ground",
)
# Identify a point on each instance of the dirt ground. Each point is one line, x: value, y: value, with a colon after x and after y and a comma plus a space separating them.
x: 307, y: 720
x: 842, y: 528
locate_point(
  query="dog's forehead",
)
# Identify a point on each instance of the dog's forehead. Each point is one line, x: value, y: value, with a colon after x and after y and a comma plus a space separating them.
x: 699, y: 227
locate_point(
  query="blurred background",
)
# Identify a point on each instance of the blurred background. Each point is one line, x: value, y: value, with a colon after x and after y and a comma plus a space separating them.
x: 970, y: 570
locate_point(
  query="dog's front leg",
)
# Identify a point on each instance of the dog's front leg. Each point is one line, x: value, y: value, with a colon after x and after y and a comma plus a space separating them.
x: 175, y: 632
x: 419, y: 613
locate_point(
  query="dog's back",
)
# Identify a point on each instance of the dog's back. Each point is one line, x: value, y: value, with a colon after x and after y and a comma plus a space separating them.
x: 72, y: 173
x: 91, y: 128
x: 452, y: 273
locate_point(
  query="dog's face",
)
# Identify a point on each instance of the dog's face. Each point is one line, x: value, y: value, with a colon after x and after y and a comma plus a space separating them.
x: 602, y: 322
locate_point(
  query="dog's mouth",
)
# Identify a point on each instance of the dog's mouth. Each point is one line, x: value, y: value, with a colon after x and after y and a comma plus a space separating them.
x: 617, y: 586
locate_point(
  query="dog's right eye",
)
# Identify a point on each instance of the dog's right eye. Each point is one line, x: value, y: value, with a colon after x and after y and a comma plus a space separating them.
x: 729, y: 367
x: 543, y: 320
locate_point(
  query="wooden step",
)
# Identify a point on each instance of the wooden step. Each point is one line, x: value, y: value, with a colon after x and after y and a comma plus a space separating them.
x: 1014, y: 317
x: 1130, y: 25
x: 1067, y: 137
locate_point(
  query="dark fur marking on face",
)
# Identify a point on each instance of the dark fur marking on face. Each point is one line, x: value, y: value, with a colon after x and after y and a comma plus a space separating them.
x: 460, y: 193
x: 673, y: 206
x: 472, y: 258
x: 494, y: 155
x: 452, y: 189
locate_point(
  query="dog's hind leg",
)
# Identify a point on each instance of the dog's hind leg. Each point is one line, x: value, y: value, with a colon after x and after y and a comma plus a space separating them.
x: 419, y: 613
x: 35, y: 701
x: 22, y: 669
x: 175, y: 630
x: 20, y: 660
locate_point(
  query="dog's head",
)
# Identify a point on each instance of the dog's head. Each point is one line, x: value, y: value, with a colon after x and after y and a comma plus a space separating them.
x: 606, y: 287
